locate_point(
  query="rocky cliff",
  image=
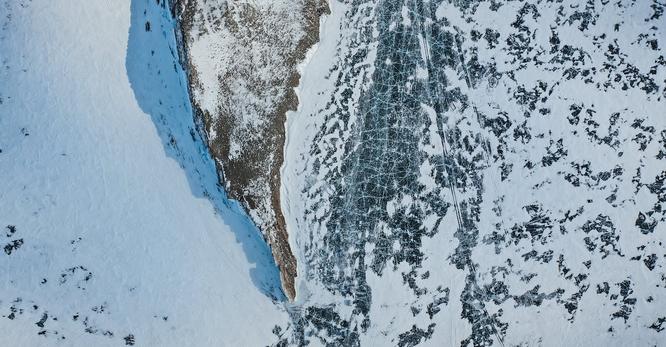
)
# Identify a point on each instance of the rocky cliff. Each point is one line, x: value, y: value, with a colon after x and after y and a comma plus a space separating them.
x: 242, y: 62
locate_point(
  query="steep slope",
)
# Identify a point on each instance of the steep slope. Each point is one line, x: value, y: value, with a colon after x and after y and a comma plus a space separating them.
x: 481, y: 173
x: 241, y: 58
x: 114, y: 230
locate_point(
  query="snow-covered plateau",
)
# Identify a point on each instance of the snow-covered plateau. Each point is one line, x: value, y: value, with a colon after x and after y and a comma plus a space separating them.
x: 333, y: 173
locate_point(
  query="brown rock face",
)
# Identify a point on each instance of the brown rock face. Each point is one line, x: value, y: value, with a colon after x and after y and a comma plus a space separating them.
x: 241, y: 59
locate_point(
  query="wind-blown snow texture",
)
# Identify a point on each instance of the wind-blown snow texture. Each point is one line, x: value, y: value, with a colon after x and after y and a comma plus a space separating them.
x: 114, y: 231
x: 481, y: 173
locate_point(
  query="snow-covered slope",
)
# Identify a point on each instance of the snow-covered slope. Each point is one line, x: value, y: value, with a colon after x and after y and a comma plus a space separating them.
x: 113, y: 227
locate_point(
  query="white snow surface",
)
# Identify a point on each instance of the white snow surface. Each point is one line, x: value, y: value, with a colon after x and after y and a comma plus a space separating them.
x: 124, y: 230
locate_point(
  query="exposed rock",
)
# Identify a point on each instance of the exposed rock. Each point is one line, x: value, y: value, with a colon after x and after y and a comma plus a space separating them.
x: 242, y: 62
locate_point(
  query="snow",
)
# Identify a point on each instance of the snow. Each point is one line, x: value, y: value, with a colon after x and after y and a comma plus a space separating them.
x: 298, y: 131
x: 521, y: 214
x: 104, y: 178
x: 446, y: 180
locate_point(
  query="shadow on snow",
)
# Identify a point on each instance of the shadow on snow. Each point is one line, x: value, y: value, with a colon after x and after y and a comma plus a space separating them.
x: 160, y: 88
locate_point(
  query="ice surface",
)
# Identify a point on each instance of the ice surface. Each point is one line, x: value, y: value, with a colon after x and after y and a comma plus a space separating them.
x: 481, y: 173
